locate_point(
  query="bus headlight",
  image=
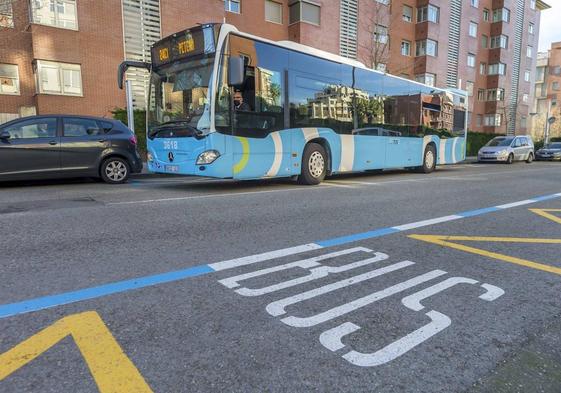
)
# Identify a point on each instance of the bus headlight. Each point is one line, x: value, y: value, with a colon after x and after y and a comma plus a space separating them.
x: 207, y: 157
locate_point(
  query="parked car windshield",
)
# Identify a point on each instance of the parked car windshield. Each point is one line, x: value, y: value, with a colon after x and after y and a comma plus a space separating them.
x: 554, y: 146
x: 499, y: 142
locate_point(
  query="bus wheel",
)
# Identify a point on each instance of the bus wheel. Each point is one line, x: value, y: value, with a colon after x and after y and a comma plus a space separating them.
x: 314, y: 164
x: 429, y: 160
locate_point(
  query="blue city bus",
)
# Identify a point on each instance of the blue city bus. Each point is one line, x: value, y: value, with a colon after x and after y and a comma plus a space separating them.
x: 230, y: 105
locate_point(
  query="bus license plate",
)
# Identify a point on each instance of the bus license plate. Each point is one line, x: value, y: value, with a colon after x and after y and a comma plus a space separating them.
x: 172, y: 168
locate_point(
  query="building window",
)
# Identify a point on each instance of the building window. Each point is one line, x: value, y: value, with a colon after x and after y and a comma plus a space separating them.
x: 426, y: 48
x: 486, y: 15
x: 525, y: 97
x: 527, y: 76
x: 472, y: 29
x: 482, y: 68
x: 232, y: 6
x: 484, y: 41
x: 302, y: 11
x: 9, y: 79
x: 555, y: 86
x: 469, y: 88
x: 385, y: 2
x: 407, y: 13
x: 501, y: 15
x: 533, y: 4
x: 381, y: 34
x: 499, y: 41
x: 273, y: 11
x: 481, y: 94
x: 529, y: 51
x: 6, y: 14
x: 406, y: 48
x: 475, y: 3
x: 479, y: 120
x: 59, y: 78
x: 471, y: 60
x: 58, y: 13
x: 495, y: 95
x: 556, y: 70
x: 426, y: 78
x: 493, y: 120
x: 497, y: 69
x: 428, y: 13
x: 531, y: 28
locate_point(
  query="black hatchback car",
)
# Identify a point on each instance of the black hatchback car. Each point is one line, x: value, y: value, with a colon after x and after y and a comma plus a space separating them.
x: 54, y: 146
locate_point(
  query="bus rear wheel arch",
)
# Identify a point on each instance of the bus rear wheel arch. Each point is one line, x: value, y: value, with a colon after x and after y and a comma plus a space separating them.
x: 315, y: 161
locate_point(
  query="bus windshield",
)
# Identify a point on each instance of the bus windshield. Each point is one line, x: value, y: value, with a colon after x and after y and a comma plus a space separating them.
x: 179, y: 101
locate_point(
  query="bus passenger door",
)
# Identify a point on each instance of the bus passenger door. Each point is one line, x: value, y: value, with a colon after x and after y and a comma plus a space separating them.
x: 397, y: 152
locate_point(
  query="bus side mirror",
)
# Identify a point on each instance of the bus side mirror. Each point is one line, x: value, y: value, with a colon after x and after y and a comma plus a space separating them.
x: 236, y: 71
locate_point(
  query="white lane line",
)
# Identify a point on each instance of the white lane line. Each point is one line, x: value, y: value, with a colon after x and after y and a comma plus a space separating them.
x: 208, y: 196
x: 263, y: 257
x: 425, y: 223
x: 332, y: 183
x: 515, y: 204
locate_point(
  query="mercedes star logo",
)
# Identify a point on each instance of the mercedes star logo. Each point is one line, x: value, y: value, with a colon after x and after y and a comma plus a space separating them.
x: 170, y: 156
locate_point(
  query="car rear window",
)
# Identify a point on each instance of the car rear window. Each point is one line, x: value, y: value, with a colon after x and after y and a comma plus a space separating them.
x: 106, y: 126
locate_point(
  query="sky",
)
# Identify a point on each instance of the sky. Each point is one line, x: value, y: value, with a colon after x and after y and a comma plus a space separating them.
x: 549, y: 25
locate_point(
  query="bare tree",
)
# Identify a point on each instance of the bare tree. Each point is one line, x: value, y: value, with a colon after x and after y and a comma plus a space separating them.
x: 376, y: 23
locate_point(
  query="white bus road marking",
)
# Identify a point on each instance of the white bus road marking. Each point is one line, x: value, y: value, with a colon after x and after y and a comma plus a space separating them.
x: 319, y: 271
x: 332, y: 338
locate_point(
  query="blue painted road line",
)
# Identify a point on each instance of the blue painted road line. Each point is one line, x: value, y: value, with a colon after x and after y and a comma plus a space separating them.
x: 42, y: 303
x: 478, y: 212
x: 359, y: 236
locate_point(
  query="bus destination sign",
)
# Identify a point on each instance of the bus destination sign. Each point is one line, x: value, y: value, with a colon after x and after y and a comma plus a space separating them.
x: 180, y: 45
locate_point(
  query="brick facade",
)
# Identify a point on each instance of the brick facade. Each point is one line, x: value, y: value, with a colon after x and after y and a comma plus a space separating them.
x: 98, y: 45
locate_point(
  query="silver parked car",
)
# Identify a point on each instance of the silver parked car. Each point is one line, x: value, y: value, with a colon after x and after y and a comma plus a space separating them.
x: 550, y: 152
x: 507, y: 149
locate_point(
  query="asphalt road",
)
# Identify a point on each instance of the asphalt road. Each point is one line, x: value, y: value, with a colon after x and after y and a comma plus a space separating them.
x: 384, y: 282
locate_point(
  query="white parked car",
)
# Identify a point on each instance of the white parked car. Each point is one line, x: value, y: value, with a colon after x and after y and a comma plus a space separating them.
x: 507, y: 149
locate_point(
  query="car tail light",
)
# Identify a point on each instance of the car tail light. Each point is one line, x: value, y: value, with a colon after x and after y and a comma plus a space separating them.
x: 133, y: 140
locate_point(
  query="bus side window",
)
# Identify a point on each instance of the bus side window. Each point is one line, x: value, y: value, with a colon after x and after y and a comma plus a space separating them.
x: 263, y: 89
x: 369, y: 103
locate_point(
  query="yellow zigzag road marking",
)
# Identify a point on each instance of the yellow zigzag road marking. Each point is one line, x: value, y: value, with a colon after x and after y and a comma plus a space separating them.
x: 544, y: 213
x: 111, y: 369
x: 446, y: 241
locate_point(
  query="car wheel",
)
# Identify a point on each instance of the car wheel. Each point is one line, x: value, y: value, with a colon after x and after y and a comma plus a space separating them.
x: 530, y: 158
x: 429, y: 160
x: 115, y: 170
x: 510, y: 159
x: 314, y: 164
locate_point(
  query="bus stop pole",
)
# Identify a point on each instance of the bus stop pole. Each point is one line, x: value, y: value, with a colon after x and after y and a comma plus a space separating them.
x: 130, y: 109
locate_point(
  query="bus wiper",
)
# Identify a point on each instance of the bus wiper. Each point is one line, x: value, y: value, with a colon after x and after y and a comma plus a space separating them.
x: 179, y: 124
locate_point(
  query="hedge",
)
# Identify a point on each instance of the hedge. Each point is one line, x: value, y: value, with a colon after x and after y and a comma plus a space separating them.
x: 476, y: 140
x: 139, y: 124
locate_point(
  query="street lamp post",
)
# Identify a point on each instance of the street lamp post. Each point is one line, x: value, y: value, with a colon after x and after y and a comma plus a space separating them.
x: 547, y: 117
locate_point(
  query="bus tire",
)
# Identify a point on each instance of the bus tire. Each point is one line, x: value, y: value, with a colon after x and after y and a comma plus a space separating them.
x: 429, y: 160
x: 314, y: 164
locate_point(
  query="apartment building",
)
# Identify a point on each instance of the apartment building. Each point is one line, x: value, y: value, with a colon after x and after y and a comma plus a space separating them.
x: 547, y: 101
x: 62, y: 55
